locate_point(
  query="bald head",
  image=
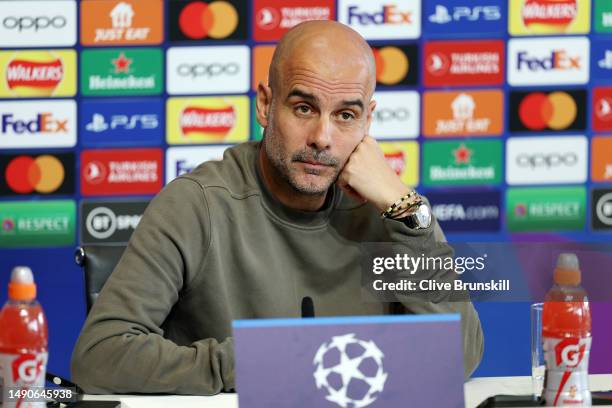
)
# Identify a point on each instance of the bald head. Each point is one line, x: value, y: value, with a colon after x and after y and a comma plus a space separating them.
x: 329, y: 46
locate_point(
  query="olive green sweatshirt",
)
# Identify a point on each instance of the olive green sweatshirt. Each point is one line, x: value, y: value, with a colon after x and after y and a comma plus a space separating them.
x: 215, y: 246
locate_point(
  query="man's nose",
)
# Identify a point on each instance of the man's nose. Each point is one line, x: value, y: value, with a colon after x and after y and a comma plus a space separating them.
x: 320, y: 137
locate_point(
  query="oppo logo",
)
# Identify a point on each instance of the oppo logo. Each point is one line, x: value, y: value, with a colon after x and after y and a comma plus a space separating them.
x: 36, y: 23
x: 386, y: 114
x: 207, y: 70
x: 546, y: 160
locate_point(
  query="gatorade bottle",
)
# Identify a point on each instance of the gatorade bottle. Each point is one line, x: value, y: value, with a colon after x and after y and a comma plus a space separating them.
x: 23, y: 342
x: 566, y: 333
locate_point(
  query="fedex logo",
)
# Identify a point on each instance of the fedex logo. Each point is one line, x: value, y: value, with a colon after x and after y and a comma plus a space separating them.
x: 43, y: 123
x: 548, y: 61
x: 382, y: 19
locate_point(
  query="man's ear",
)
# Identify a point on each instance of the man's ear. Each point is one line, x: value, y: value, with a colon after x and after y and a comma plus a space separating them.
x: 262, y: 102
x: 370, y: 110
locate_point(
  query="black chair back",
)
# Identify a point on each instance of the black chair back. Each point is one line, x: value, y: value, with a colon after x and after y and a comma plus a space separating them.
x: 97, y: 261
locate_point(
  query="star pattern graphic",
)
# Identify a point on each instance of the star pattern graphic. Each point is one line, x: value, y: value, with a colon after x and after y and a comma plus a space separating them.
x: 122, y: 64
x: 462, y: 154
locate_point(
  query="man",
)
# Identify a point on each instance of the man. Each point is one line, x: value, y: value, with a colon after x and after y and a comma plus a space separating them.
x: 250, y: 236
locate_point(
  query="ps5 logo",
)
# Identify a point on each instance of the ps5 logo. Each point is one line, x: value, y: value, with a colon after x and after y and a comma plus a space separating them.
x: 128, y: 122
x: 442, y: 14
x: 606, y: 61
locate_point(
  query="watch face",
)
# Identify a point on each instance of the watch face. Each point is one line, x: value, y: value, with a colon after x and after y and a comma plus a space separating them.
x: 423, y: 216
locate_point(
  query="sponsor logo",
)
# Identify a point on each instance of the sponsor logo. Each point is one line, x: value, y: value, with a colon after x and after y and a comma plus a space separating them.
x: 272, y: 20
x: 532, y: 17
x: 134, y: 122
x: 601, y: 60
x: 547, y: 110
x: 602, y: 109
x: 262, y: 58
x: 601, y: 209
x: 207, y: 120
x: 49, y: 23
x: 109, y: 221
x: 382, y: 19
x: 545, y: 209
x: 403, y: 158
x: 48, y: 223
x: 396, y: 115
x: 208, y: 20
x: 121, y: 22
x: 121, y: 71
x: 466, y: 212
x: 37, y: 124
x: 462, y: 163
x: 603, y: 16
x: 464, y: 63
x: 550, y: 61
x: 546, y: 160
x: 601, y: 159
x: 121, y: 172
x: 41, y: 174
x: 461, y: 16
x: 182, y: 160
x: 40, y: 73
x: 208, y: 70
x: 473, y: 113
x: 396, y: 65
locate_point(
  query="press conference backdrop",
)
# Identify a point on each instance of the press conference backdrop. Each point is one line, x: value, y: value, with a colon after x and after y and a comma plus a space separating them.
x: 500, y: 111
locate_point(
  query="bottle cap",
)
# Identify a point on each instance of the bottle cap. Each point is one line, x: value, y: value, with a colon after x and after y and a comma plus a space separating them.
x: 22, y: 286
x: 567, y: 271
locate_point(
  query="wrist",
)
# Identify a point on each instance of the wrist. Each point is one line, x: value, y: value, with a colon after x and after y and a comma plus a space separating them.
x: 391, y: 196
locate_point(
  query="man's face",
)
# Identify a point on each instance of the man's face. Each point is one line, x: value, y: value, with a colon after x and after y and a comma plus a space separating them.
x: 314, y: 124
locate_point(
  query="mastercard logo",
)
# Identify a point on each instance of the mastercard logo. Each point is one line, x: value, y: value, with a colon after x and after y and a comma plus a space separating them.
x: 392, y: 65
x: 557, y: 111
x: 43, y: 174
x: 199, y: 20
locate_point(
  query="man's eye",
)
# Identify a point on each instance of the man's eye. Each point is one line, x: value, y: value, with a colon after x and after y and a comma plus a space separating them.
x: 304, y: 109
x: 347, y: 116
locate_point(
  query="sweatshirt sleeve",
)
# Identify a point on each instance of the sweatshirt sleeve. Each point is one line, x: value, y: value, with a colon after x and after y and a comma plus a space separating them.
x: 432, y: 242
x: 121, y: 348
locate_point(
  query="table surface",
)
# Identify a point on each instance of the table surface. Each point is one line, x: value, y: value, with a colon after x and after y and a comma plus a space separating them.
x: 476, y: 391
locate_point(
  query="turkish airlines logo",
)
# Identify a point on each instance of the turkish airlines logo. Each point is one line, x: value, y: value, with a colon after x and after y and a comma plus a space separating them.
x: 396, y: 65
x: 214, y: 20
x: 602, y: 109
x: 272, y: 20
x: 381, y: 19
x: 464, y: 63
x: 547, y: 111
x: 43, y: 174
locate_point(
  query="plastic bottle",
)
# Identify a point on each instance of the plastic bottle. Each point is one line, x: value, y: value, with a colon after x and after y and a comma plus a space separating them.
x: 566, y: 333
x: 23, y: 341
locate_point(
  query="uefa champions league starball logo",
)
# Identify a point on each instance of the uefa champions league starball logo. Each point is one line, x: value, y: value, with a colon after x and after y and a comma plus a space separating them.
x: 350, y: 370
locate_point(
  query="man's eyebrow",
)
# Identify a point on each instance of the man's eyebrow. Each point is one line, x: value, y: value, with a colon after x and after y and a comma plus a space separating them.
x: 302, y: 94
x: 353, y: 102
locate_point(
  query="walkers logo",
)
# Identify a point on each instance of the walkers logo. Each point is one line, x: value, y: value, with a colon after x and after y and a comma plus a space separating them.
x: 466, y: 212
x: 532, y: 17
x: 396, y: 115
x: 41, y: 174
x: 603, y: 16
x: 462, y: 163
x: 208, y: 70
x: 465, y: 113
x: 49, y: 223
x: 602, y: 109
x: 121, y: 22
x: 272, y: 21
x: 451, y: 63
x: 109, y: 222
x: 545, y: 209
x: 397, y: 65
x: 182, y: 160
x: 549, y: 61
x: 42, y: 73
x: 462, y: 16
x: 403, y: 157
x: 126, y: 121
x: 546, y: 160
x: 262, y: 58
x: 382, y: 19
x: 547, y: 110
x: 601, y: 209
x: 208, y: 20
x: 37, y: 123
x: 49, y: 23
x: 601, y: 60
x: 121, y: 172
x: 121, y: 71
x: 601, y: 159
x: 208, y: 120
